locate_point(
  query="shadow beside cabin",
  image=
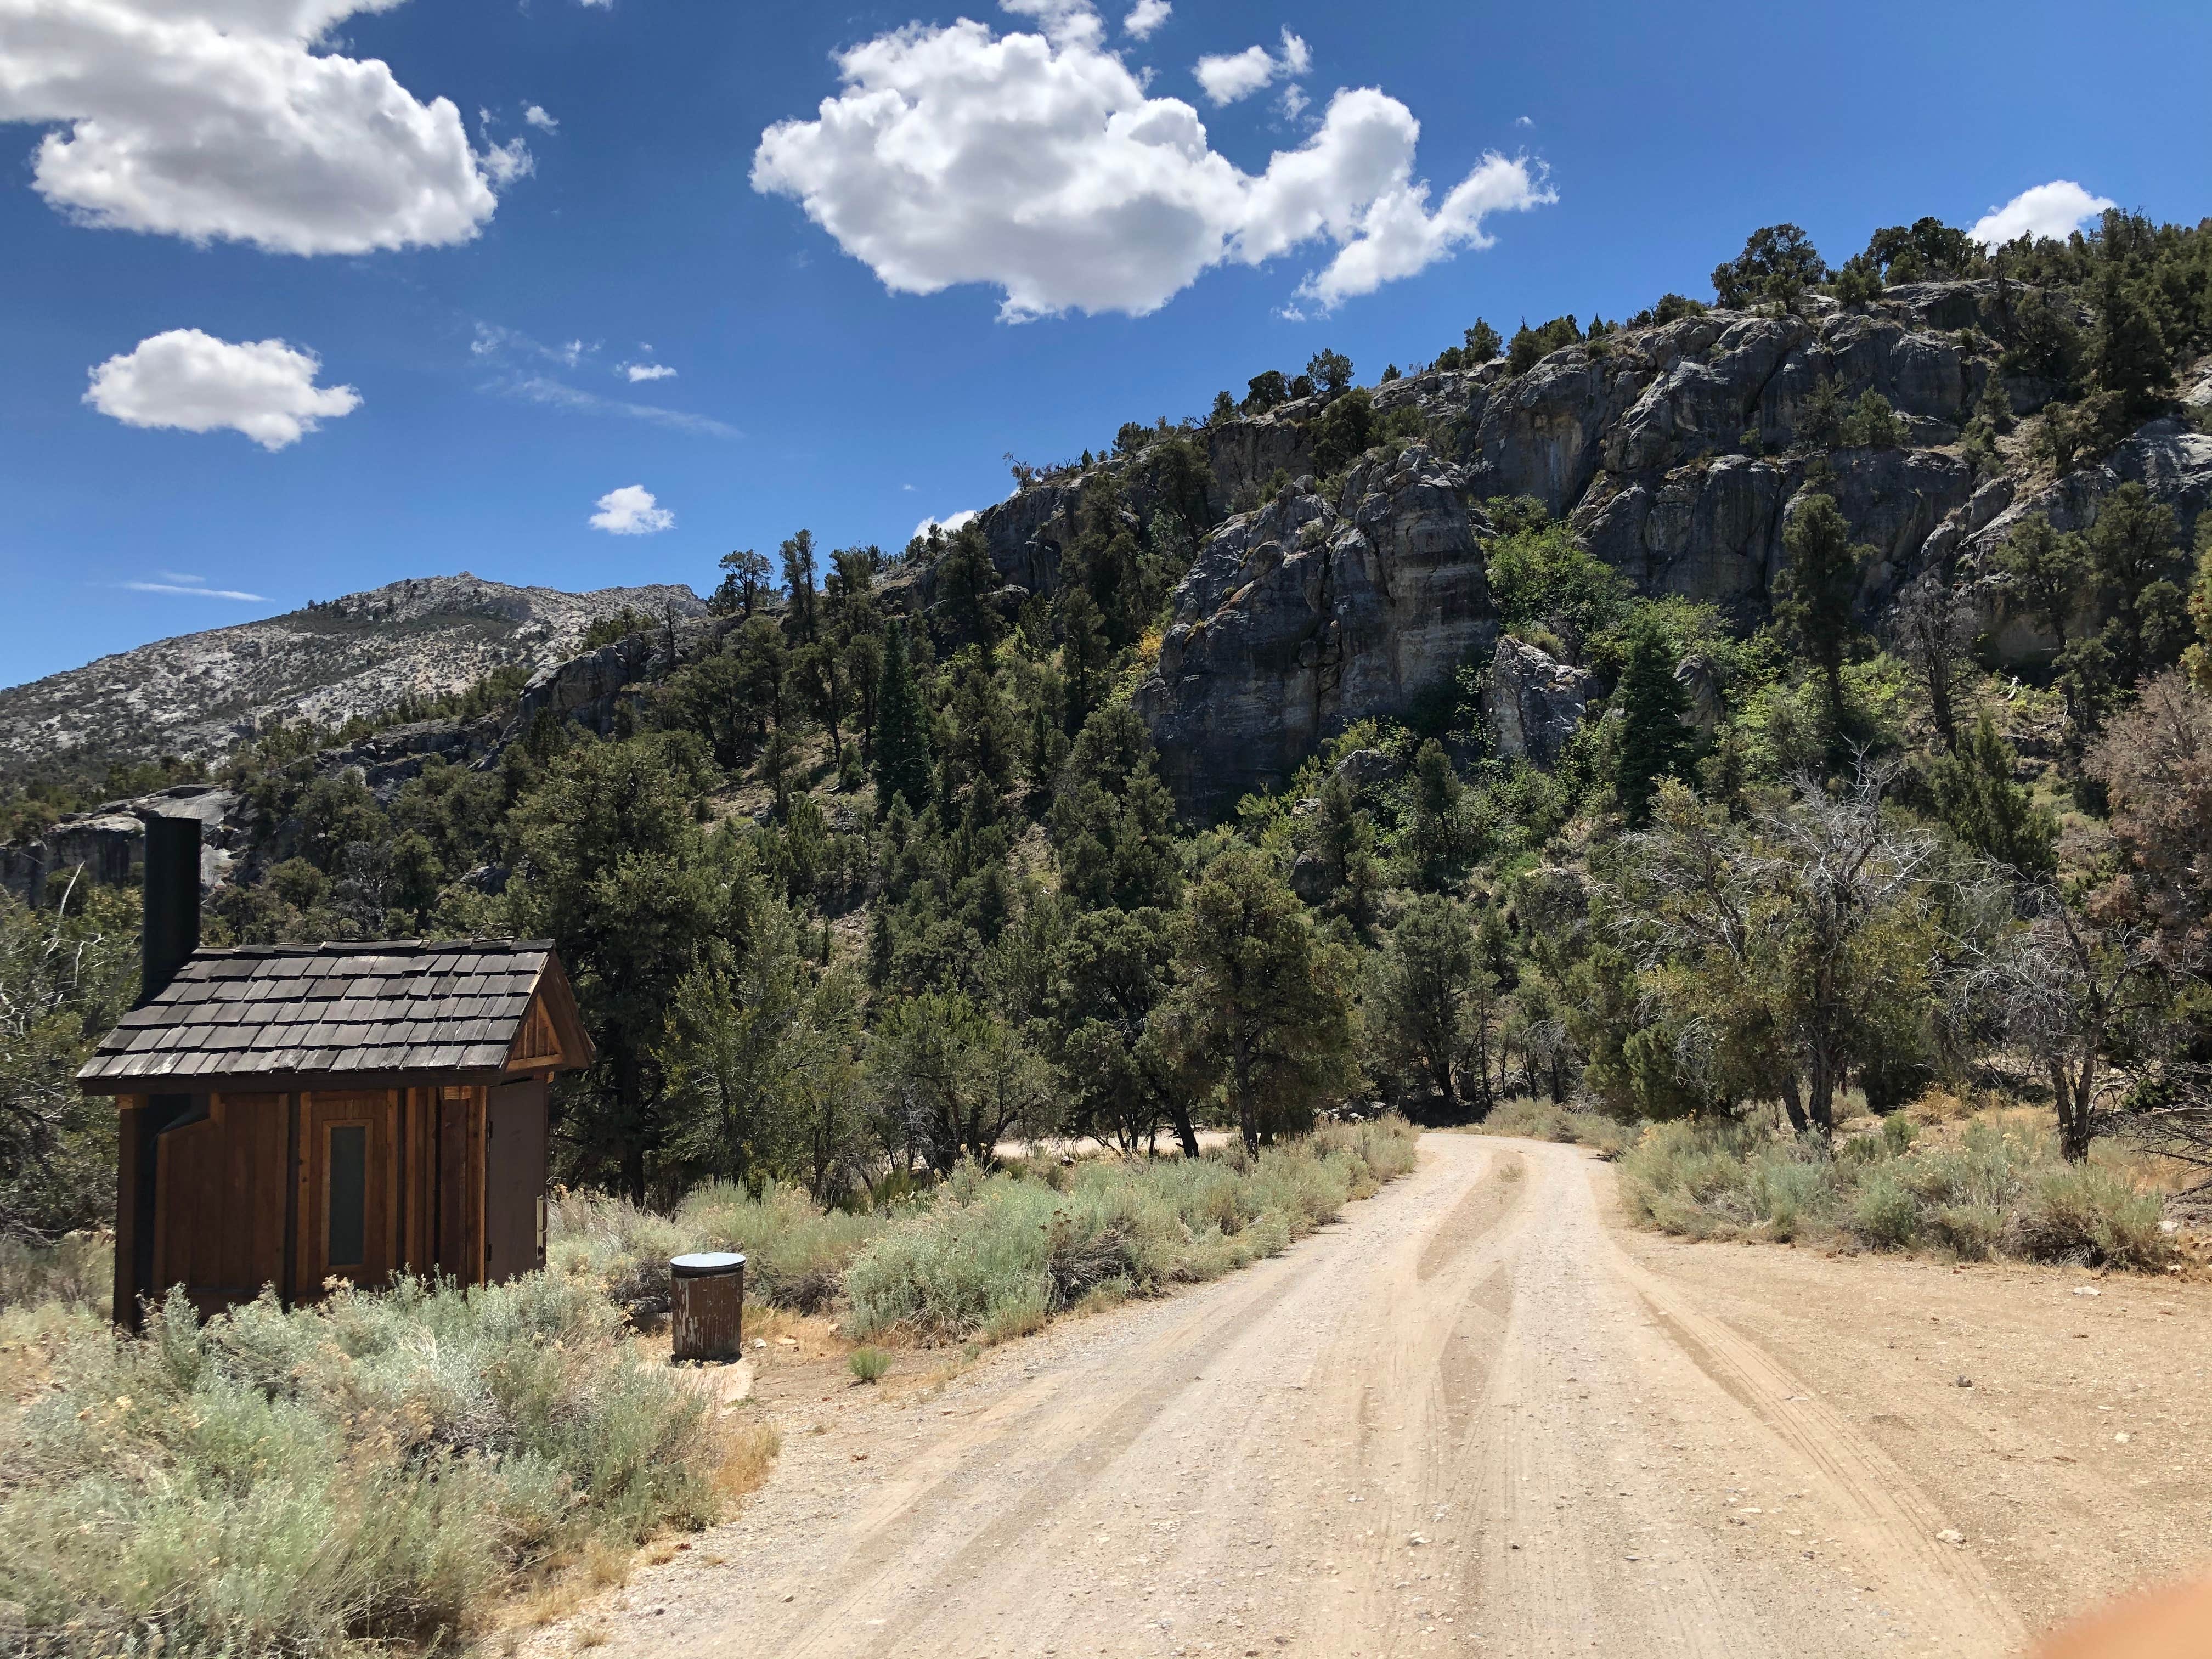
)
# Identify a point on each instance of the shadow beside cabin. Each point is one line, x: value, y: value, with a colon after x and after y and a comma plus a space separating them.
x: 293, y: 1114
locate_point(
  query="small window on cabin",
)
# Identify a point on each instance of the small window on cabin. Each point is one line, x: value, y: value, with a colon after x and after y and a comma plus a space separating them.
x: 348, y: 1186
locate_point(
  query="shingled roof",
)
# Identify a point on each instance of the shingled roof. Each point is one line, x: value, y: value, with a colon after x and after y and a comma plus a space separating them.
x: 349, y: 1009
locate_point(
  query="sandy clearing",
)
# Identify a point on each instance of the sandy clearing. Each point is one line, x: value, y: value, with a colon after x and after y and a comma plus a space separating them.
x: 1475, y: 1416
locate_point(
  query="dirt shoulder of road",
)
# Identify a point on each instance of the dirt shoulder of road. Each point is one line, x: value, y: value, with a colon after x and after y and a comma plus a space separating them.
x: 2064, y: 1417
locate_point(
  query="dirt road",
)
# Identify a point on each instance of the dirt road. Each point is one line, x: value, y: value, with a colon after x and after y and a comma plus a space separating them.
x: 1477, y: 1416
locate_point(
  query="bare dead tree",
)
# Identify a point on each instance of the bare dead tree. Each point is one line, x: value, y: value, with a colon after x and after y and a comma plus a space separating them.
x: 2062, y: 990
x: 1931, y: 627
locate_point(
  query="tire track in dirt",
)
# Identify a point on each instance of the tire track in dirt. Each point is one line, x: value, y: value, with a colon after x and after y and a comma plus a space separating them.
x: 1463, y: 1420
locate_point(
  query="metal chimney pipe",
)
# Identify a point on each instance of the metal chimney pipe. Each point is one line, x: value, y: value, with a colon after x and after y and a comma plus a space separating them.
x: 173, y: 901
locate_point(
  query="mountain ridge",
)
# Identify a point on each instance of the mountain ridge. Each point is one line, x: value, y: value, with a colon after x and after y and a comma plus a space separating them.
x: 198, y: 696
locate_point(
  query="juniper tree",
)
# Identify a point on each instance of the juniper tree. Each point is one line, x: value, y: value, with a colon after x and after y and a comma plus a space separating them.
x: 1818, y: 592
x: 1653, y: 741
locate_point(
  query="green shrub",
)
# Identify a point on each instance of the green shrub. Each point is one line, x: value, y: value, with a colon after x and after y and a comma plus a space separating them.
x: 1884, y: 1212
x: 2082, y: 1212
x: 998, y: 1255
x: 1999, y: 1189
x: 374, y: 1470
x: 867, y: 1364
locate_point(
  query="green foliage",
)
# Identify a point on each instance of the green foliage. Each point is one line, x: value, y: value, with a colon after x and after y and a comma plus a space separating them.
x: 1779, y: 264
x: 1653, y: 744
x: 633, y: 894
x: 1343, y: 432
x: 1995, y: 1189
x: 1263, y: 1003
x: 867, y: 1364
x: 1540, y: 576
x: 744, y: 583
x: 1330, y: 370
x: 1531, y: 346
x: 67, y: 973
x: 1926, y: 250
x: 997, y: 1255
x: 902, y: 757
x: 1112, y: 820
x: 1818, y: 592
x: 372, y: 1471
x: 1671, y: 308
x: 1429, y: 989
x: 1976, y: 796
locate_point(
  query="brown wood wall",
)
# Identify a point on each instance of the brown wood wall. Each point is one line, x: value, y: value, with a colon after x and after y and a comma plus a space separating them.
x: 240, y: 1192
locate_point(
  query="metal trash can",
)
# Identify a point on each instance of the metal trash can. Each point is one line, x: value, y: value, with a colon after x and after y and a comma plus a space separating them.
x: 707, y: 1305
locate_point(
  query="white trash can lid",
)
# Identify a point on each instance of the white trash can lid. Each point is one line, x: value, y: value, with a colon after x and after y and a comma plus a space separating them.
x: 705, y: 1262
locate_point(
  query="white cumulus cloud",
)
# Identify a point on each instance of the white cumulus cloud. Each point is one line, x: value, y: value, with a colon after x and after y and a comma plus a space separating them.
x: 1038, y: 164
x: 1239, y: 74
x: 193, y: 382
x: 239, y: 120
x: 948, y: 524
x: 2052, y: 209
x: 1145, y: 16
x: 638, y: 372
x: 631, y: 511
x: 535, y: 116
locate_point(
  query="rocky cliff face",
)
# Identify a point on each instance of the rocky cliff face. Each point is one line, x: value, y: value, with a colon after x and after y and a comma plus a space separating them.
x: 1307, y: 615
x: 1675, y: 452
x: 201, y: 694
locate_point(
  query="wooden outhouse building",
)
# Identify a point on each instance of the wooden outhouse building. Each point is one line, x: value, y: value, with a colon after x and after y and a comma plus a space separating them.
x: 294, y: 1115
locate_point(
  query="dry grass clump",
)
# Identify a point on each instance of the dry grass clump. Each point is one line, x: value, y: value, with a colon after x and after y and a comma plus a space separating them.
x: 997, y: 1255
x: 795, y: 1253
x: 76, y: 1271
x: 378, y: 1469
x: 1995, y: 1185
x: 1532, y: 1119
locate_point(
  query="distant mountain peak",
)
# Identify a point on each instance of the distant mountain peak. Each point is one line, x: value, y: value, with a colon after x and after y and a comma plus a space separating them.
x: 201, y: 694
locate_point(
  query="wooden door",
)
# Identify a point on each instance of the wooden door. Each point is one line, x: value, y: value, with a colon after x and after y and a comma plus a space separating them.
x: 461, y: 1184
x: 348, y: 1195
x: 218, y: 1221
x: 514, y: 1179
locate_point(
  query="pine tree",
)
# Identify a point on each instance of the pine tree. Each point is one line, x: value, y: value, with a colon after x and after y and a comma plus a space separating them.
x: 902, y: 731
x: 2128, y: 352
x: 1654, y: 742
x: 799, y: 577
x: 1818, y: 592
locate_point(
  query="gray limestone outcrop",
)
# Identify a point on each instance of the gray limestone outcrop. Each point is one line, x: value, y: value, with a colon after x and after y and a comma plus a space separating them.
x: 1534, y: 703
x: 1306, y: 615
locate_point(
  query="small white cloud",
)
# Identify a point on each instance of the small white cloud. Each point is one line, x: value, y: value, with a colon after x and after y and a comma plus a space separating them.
x: 908, y: 487
x: 190, y: 587
x: 1145, y: 16
x: 189, y: 382
x: 631, y: 511
x: 505, y: 163
x: 641, y: 372
x: 238, y: 119
x: 2053, y: 209
x: 1292, y: 103
x: 1239, y: 76
x: 1041, y: 165
x: 948, y: 524
x: 1522, y: 121
x: 535, y: 116
x: 1061, y: 20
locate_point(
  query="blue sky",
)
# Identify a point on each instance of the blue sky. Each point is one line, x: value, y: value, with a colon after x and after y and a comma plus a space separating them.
x: 486, y: 311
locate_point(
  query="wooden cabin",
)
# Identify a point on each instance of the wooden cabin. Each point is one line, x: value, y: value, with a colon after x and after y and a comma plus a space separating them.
x: 292, y: 1114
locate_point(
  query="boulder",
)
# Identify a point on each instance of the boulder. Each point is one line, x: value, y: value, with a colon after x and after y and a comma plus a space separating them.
x: 1367, y: 768
x: 1534, y: 703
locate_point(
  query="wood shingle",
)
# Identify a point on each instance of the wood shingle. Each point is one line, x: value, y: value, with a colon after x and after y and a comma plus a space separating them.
x: 347, y: 1009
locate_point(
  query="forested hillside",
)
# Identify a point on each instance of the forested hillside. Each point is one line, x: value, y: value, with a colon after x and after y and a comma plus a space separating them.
x: 1790, y: 698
